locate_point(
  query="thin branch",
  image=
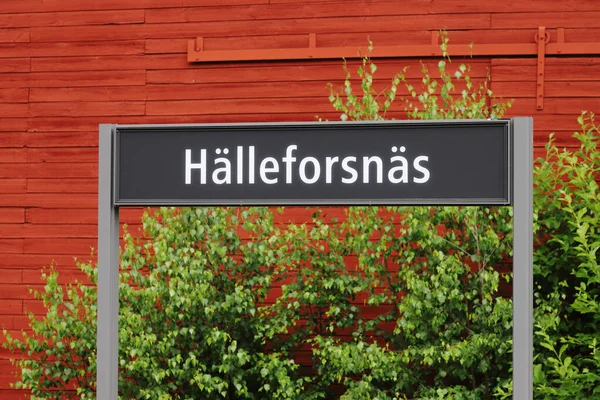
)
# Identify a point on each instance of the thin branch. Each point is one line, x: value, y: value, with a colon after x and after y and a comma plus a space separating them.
x: 455, y: 246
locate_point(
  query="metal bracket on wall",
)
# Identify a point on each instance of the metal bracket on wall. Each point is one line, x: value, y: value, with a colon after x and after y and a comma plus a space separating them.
x: 541, y: 38
x: 540, y: 47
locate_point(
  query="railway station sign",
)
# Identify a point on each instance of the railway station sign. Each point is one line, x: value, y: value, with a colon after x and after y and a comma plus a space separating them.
x: 474, y: 162
x: 314, y: 163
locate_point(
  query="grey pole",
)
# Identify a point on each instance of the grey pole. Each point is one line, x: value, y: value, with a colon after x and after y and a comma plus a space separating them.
x: 523, y: 258
x: 108, y: 272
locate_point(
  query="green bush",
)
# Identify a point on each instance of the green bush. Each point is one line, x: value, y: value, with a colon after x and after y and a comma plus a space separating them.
x: 387, y: 302
x: 192, y: 326
x: 192, y: 315
x: 451, y: 335
x: 61, y: 352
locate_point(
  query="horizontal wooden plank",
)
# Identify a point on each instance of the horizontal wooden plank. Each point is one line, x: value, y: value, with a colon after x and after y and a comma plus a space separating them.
x: 12, y: 139
x: 63, y: 155
x: 62, y: 170
x: 11, y: 215
x: 13, y: 125
x: 215, y: 107
x: 12, y: 199
x: 11, y: 246
x: 34, y: 261
x: 74, y: 78
x: 17, y: 322
x: 110, y: 62
x: 325, y: 71
x: 33, y: 306
x: 550, y: 60
x: 12, y: 394
x: 13, y: 155
x: 58, y: 246
x: 329, y: 9
x: 65, y: 126
x: 49, y: 200
x: 277, y: 12
x: 62, y: 186
x: 112, y: 17
x: 275, y: 73
x: 11, y: 307
x: 12, y: 171
x: 19, y: 6
x: 582, y: 35
x: 14, y: 110
x: 17, y: 35
x: 132, y: 215
x: 253, y: 27
x: 15, y: 65
x: 556, y: 69
x: 61, y: 216
x: 565, y: 19
x: 65, y: 276
x: 474, y: 36
x: 61, y: 139
x: 556, y: 106
x: 249, y: 90
x: 88, y: 124
x: 547, y: 122
x: 83, y: 94
x: 128, y: 215
x: 561, y: 138
x: 270, y: 90
x: 14, y: 276
x: 166, y: 46
x: 12, y: 231
x: 14, y: 95
x: 74, y: 48
x: 235, y: 118
x: 13, y: 186
x: 16, y: 292
x: 91, y: 108
x: 558, y: 89
x: 466, y: 6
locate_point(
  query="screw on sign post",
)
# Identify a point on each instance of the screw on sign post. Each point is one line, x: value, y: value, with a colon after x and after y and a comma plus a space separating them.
x: 475, y: 162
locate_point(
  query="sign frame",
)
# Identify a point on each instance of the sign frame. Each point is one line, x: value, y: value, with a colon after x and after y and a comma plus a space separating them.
x: 310, y: 128
x: 519, y: 195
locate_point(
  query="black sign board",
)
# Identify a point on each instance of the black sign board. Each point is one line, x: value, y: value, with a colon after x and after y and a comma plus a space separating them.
x: 462, y: 162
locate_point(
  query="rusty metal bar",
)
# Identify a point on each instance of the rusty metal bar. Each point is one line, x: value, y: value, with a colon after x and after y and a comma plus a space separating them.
x: 541, y: 38
x: 329, y: 53
x: 197, y: 54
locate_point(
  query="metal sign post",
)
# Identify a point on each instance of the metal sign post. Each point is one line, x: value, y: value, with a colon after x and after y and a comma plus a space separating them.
x: 473, y: 162
x: 522, y: 258
x: 108, y: 273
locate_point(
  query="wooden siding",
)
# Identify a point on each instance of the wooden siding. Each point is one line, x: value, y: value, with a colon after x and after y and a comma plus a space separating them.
x: 68, y: 65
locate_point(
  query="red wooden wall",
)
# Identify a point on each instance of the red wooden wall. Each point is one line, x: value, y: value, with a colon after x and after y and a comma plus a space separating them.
x: 68, y: 65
